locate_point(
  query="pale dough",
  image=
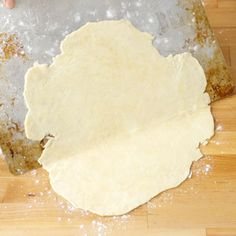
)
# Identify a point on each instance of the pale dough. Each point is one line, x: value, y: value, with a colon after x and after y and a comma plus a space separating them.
x: 126, y: 121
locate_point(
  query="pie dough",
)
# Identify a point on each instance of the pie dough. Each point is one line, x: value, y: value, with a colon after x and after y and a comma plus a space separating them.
x: 126, y: 121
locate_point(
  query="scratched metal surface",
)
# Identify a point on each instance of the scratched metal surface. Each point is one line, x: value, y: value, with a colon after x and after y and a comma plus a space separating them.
x: 33, y: 31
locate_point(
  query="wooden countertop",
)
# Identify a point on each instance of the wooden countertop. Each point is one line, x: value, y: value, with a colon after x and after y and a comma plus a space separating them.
x: 202, y: 205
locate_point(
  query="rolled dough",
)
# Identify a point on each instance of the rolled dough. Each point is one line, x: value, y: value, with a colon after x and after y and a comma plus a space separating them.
x: 126, y: 121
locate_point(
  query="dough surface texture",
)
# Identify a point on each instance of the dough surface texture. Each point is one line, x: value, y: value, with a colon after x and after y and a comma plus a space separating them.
x: 126, y: 121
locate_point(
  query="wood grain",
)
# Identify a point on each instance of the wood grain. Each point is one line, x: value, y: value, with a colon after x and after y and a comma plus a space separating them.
x: 222, y: 17
x: 203, y: 205
x: 227, y: 4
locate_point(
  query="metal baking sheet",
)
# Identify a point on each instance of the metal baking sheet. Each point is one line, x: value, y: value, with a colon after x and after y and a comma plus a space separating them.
x: 33, y: 32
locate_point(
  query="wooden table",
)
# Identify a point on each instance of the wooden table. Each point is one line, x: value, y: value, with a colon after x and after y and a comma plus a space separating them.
x: 202, y: 205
